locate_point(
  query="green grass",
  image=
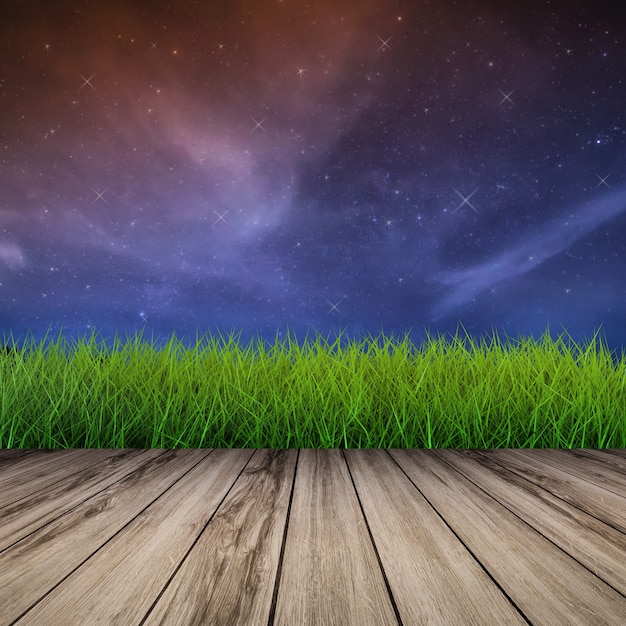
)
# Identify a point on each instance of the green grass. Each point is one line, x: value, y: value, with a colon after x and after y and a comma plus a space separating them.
x: 445, y: 395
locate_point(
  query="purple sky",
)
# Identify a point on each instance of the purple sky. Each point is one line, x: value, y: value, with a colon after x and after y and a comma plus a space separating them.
x: 363, y: 167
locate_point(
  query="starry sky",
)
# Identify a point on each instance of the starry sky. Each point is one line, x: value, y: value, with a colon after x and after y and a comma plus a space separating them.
x: 357, y: 167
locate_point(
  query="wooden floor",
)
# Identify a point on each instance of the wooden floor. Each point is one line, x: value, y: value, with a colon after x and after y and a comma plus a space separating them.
x: 300, y: 537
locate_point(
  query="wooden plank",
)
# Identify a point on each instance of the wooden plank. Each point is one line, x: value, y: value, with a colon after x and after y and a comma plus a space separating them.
x: 9, y: 455
x: 545, y: 583
x: 104, y: 556
x: 120, y: 582
x: 34, y: 511
x: 604, y: 504
x: 433, y: 577
x: 38, y: 463
x: 571, y: 462
x: 30, y: 568
x: 229, y: 575
x: 604, y: 456
x: 330, y: 573
x: 617, y: 451
x: 596, y: 545
x: 18, y: 485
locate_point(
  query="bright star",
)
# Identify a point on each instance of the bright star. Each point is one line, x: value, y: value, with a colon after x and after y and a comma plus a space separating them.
x: 258, y: 124
x: 465, y: 200
x: 334, y: 306
x: 507, y: 96
x: 220, y: 217
x: 99, y: 195
x: 385, y: 44
x: 87, y: 82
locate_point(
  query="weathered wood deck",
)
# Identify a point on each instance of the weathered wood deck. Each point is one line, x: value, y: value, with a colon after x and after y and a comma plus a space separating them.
x: 323, y: 537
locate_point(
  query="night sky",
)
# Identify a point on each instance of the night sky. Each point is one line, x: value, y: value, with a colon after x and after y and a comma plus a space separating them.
x: 323, y: 166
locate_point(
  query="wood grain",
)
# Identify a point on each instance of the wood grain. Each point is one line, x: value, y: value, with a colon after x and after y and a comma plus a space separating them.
x: 330, y: 573
x: 30, y: 477
x: 229, y: 576
x: 22, y: 516
x: 585, y: 494
x: 545, y: 583
x: 137, y: 563
x: 597, y: 545
x: 32, y: 566
x: 312, y: 537
x: 433, y: 576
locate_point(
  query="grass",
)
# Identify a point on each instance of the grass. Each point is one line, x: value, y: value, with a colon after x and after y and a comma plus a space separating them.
x: 446, y: 395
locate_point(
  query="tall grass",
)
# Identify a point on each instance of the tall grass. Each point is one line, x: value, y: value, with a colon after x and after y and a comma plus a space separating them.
x: 320, y: 395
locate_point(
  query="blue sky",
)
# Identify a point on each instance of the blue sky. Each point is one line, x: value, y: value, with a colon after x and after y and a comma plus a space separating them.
x: 362, y: 167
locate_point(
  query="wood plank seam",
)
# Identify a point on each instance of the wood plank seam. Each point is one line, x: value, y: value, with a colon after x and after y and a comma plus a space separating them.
x: 464, y: 544
x: 186, y: 555
x: 531, y: 527
x: 283, y: 543
x: 392, y: 598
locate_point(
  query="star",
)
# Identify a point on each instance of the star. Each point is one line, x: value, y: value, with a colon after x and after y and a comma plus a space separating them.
x: 506, y: 96
x: 466, y: 199
x: 385, y: 44
x: 300, y: 71
x: 603, y: 180
x: 258, y: 124
x: 220, y: 217
x: 153, y: 45
x: 334, y: 306
x: 47, y: 46
x: 99, y: 195
x: 87, y: 81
